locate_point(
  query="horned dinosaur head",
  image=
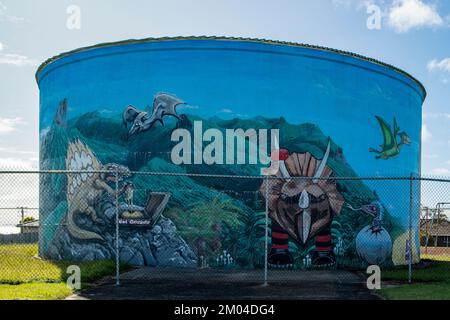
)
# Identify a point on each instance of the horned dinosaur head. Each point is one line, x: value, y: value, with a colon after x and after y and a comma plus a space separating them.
x: 302, y: 199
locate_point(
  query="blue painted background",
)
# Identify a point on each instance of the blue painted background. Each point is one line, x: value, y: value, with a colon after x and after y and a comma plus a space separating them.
x: 236, y: 79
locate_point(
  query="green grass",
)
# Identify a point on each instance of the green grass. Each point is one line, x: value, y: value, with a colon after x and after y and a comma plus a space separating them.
x: 430, y: 282
x: 437, y: 271
x: 34, y: 291
x: 418, y: 291
x: 24, y: 276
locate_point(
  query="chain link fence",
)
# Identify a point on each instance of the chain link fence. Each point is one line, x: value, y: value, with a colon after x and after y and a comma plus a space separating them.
x: 434, y: 220
x: 218, y: 228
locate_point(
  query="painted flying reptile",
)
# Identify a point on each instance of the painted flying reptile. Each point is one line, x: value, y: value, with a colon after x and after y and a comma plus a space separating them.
x: 163, y: 105
x: 390, y: 147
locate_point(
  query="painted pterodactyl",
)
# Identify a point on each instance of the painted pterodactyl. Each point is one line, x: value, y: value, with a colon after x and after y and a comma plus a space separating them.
x: 163, y: 105
x: 390, y: 147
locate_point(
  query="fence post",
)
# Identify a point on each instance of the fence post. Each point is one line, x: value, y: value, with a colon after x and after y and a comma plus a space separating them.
x: 431, y: 226
x: 410, y: 258
x: 266, y: 237
x: 427, y: 224
x: 117, y: 230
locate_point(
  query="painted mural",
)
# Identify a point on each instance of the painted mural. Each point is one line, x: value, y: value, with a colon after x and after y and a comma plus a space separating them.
x: 188, y: 221
x: 148, y: 107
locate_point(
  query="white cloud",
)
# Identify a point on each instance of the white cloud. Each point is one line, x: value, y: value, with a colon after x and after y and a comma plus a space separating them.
x: 8, y: 125
x: 16, y: 163
x: 440, y: 171
x: 436, y: 65
x: 405, y: 15
x: 1, y: 46
x: 426, y: 134
x: 400, y: 15
x: 16, y: 19
x: 17, y: 60
x: 342, y: 3
x: 5, y: 16
x: 16, y: 151
x: 3, y: 8
x: 436, y: 115
x: 18, y: 189
x: 359, y: 4
x: 226, y: 110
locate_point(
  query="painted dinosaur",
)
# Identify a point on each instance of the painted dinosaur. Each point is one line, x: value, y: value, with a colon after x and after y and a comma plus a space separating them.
x: 390, y: 147
x: 85, y: 188
x: 302, y: 209
x: 163, y: 105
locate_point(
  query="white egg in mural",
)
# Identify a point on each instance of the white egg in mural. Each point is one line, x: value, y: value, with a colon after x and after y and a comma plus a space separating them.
x: 374, y: 247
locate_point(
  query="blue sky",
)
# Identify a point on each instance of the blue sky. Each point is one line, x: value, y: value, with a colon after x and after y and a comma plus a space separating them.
x: 414, y: 36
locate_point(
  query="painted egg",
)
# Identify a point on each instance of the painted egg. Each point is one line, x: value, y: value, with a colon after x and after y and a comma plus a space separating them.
x: 374, y: 247
x: 399, y: 247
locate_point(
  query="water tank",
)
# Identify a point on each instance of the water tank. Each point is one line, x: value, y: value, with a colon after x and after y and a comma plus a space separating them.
x: 179, y: 105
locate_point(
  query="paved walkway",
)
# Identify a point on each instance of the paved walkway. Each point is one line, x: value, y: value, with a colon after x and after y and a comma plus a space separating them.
x: 163, y: 283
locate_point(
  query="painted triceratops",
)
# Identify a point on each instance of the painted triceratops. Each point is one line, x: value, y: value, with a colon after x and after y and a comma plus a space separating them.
x: 302, y: 202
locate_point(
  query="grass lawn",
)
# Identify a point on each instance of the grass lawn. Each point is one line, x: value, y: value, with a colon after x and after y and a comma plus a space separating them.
x: 418, y: 291
x: 34, y: 291
x: 23, y: 276
x: 431, y: 282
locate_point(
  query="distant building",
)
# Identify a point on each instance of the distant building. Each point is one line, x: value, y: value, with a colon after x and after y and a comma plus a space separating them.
x: 29, y: 227
x: 438, y: 232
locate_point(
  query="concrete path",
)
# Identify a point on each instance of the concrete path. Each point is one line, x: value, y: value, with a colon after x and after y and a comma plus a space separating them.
x: 204, y: 284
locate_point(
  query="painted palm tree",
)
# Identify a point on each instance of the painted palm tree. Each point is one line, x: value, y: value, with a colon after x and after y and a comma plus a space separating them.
x: 390, y: 147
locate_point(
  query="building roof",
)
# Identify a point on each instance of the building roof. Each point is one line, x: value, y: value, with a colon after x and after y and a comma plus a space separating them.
x: 439, y: 228
x: 32, y: 224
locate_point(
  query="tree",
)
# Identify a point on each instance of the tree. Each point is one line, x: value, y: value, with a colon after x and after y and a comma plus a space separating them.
x: 28, y: 219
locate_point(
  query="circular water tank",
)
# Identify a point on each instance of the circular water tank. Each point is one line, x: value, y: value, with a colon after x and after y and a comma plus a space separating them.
x: 179, y: 105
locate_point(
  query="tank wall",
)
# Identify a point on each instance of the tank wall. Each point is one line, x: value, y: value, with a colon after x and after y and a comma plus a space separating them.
x: 370, y: 114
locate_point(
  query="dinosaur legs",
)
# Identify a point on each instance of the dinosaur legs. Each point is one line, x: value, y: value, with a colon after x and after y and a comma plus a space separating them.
x: 380, y: 155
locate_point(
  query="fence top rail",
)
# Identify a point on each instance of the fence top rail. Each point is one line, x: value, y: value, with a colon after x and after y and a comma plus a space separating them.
x: 18, y: 208
x: 411, y: 177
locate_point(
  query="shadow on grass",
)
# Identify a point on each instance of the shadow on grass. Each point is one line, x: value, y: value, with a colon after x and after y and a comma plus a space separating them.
x: 430, y: 281
x: 426, y: 271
